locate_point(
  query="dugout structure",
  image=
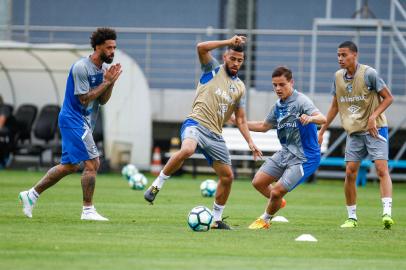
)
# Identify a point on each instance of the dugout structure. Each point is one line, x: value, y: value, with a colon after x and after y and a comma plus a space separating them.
x: 37, y: 74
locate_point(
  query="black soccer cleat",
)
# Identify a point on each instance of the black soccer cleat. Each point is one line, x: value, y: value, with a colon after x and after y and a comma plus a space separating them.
x: 151, y: 193
x: 220, y: 225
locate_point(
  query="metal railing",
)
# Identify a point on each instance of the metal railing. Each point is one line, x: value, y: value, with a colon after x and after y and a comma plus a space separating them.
x: 168, y: 55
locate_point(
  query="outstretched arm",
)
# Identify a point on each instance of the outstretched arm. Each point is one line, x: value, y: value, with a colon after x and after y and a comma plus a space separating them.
x: 241, y: 122
x: 204, y: 48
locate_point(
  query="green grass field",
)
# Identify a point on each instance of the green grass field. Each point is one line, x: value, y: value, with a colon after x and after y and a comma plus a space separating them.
x: 141, y: 236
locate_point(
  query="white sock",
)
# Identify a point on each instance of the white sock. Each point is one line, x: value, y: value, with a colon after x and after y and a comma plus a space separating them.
x: 33, y: 195
x: 352, y: 211
x: 160, y: 180
x: 387, y: 206
x: 267, y: 217
x: 88, y: 208
x: 217, y: 211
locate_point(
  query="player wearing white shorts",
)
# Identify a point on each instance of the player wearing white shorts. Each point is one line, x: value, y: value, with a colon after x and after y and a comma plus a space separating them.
x: 90, y: 84
x: 296, y: 118
x: 220, y: 93
x: 361, y: 97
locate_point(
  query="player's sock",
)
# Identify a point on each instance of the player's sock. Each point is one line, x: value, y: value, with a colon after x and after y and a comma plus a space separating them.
x: 387, y: 206
x: 160, y: 180
x: 267, y: 217
x: 217, y: 211
x: 352, y: 211
x: 33, y: 194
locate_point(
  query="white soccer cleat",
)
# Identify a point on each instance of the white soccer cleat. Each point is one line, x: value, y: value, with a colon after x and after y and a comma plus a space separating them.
x: 92, y: 214
x: 27, y: 203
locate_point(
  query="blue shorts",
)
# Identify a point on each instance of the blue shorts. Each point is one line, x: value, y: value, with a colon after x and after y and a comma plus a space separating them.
x: 77, y: 145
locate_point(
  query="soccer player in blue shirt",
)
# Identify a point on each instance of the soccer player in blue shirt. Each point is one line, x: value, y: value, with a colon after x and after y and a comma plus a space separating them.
x: 296, y: 119
x: 89, y: 85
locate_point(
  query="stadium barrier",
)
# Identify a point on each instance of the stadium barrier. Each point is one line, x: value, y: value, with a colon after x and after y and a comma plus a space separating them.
x: 365, y: 166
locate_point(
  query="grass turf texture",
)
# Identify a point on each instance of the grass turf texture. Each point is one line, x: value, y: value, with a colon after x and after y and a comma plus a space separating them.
x: 141, y: 236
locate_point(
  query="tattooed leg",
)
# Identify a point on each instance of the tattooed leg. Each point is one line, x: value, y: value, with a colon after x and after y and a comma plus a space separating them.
x: 89, y: 180
x: 53, y: 175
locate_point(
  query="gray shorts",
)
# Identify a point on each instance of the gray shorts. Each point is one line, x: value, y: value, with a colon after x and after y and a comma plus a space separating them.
x: 359, y: 146
x: 210, y: 144
x: 289, y: 169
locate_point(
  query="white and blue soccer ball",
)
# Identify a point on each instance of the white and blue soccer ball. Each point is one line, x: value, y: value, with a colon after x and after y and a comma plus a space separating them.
x: 129, y: 170
x: 200, y: 218
x: 208, y: 188
x: 138, y: 181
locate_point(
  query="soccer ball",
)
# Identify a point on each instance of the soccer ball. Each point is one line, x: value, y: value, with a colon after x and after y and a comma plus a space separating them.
x: 208, y: 188
x: 200, y: 218
x: 129, y: 170
x: 138, y: 181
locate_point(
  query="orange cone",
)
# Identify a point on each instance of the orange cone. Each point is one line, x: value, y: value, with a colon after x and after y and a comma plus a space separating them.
x: 156, y: 165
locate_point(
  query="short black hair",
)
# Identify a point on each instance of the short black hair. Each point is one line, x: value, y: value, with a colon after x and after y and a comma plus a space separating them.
x: 282, y: 71
x: 99, y: 36
x: 350, y: 45
x: 237, y: 48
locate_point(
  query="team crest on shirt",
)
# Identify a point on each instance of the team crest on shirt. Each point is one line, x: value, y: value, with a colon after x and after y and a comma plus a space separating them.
x: 349, y: 88
x: 232, y: 88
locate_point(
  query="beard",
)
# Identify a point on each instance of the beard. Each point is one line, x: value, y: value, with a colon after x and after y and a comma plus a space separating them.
x: 107, y: 59
x: 230, y: 72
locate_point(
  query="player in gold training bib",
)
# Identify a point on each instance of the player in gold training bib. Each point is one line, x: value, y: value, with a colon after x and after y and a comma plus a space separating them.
x: 361, y: 97
x: 219, y: 94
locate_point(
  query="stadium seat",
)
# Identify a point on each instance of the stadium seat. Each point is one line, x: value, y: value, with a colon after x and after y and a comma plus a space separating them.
x: 25, y: 116
x: 45, y: 129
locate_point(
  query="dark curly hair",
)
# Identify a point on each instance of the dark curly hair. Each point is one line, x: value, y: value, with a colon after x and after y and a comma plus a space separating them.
x: 237, y: 48
x: 99, y: 36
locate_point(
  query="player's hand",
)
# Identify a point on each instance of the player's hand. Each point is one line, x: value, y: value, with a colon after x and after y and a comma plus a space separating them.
x: 237, y: 40
x: 320, y: 137
x: 255, y: 151
x: 373, y: 130
x: 305, y: 119
x: 111, y: 75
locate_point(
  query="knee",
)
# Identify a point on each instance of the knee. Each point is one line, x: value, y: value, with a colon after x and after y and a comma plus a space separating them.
x: 69, y: 169
x: 227, y: 178
x: 186, y: 152
x: 256, y: 184
x: 92, y: 166
x: 276, y: 194
x: 382, y: 171
x: 350, y: 173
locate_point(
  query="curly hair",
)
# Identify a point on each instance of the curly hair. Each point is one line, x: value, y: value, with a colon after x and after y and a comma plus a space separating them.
x: 99, y: 36
x: 237, y: 48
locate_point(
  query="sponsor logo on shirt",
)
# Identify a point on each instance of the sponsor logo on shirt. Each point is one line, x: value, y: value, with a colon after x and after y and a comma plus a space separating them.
x: 352, y: 99
x: 224, y: 95
x: 287, y: 125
